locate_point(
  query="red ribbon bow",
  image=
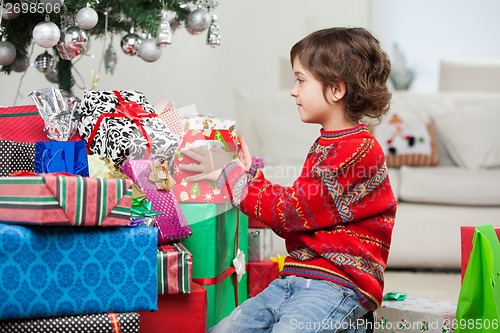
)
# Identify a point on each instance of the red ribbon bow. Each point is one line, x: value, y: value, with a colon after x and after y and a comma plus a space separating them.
x: 130, y: 110
x: 228, y: 272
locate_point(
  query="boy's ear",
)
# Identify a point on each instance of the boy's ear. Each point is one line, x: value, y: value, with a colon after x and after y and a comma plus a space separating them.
x: 338, y: 91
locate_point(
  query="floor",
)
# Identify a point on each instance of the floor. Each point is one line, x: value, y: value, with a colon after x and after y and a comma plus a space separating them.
x: 441, y: 286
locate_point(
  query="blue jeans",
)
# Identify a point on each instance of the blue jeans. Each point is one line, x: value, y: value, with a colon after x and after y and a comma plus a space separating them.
x: 296, y: 304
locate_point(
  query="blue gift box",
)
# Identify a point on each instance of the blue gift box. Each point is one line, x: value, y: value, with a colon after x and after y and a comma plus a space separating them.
x: 58, y: 271
x: 62, y: 156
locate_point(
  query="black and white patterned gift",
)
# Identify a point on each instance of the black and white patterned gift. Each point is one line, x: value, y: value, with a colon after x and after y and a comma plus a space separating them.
x: 122, y: 125
x: 16, y: 156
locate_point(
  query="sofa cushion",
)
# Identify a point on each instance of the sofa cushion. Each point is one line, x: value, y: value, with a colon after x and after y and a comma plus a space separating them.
x: 471, y: 135
x: 450, y: 185
x: 407, y: 142
x: 421, y: 106
x: 394, y: 178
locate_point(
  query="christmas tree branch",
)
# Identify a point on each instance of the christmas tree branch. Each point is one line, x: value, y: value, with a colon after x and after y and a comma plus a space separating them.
x: 122, y: 15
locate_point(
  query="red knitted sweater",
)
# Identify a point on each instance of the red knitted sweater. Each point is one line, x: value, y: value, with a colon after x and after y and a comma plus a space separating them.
x: 336, y: 218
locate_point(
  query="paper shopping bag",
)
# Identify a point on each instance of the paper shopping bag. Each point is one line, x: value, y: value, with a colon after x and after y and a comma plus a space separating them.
x: 478, y: 308
x: 60, y: 156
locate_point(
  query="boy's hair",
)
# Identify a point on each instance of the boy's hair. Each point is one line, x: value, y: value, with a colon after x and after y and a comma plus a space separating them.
x: 351, y: 55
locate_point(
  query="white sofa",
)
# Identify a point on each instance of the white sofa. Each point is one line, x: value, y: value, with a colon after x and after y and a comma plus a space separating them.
x: 434, y: 201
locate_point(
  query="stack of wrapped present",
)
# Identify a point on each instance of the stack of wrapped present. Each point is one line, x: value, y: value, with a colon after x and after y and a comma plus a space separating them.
x: 262, y: 269
x: 99, y: 229
x: 219, y: 243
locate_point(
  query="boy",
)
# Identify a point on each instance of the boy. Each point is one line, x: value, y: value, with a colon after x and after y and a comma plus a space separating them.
x: 337, y: 217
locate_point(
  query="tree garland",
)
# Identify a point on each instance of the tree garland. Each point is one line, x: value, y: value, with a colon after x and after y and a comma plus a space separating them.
x: 122, y: 15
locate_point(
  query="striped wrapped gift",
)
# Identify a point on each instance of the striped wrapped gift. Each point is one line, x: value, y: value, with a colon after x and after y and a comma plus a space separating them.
x: 65, y: 200
x: 174, y: 269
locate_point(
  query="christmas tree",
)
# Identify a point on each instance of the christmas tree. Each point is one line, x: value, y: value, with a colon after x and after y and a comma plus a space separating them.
x: 66, y: 27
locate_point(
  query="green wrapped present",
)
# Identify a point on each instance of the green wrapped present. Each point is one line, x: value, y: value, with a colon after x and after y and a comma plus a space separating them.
x: 218, y: 234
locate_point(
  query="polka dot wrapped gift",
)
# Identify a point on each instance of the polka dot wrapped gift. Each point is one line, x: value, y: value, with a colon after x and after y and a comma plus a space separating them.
x: 16, y: 156
x: 100, y: 322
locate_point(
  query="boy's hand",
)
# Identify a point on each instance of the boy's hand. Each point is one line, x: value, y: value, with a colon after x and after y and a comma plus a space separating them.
x: 211, y: 161
x: 244, y: 155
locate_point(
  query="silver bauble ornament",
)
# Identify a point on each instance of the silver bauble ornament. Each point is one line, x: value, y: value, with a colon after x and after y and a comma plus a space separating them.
x: 110, y: 59
x: 86, y: 18
x: 130, y: 44
x: 46, y: 34
x: 198, y: 20
x: 20, y: 64
x: 65, y: 52
x: 44, y: 62
x: 7, y: 53
x: 149, y: 50
x: 52, y: 76
x: 87, y: 47
x: 76, y: 38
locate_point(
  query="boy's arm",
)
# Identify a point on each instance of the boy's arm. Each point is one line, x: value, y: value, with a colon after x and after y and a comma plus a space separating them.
x: 311, y: 202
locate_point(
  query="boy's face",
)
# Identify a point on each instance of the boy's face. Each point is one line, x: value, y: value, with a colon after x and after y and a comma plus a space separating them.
x: 308, y: 93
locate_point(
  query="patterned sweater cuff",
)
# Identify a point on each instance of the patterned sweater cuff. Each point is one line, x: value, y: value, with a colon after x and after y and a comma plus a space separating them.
x: 225, y: 175
x: 257, y: 163
x: 234, y: 180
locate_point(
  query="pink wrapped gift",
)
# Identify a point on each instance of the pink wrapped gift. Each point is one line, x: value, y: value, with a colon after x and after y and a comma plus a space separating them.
x: 172, y: 224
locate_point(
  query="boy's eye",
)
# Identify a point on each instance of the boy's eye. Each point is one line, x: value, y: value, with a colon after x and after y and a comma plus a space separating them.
x: 299, y: 80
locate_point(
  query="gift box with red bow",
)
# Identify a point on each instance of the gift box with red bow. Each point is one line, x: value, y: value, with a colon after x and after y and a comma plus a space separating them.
x: 204, y: 190
x: 123, y: 125
x: 219, y: 247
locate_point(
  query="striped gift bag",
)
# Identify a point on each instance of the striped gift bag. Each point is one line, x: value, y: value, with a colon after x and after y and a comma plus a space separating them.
x: 65, y: 200
x: 174, y: 265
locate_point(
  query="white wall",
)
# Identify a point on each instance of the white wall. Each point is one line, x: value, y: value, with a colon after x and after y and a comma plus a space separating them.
x: 431, y: 30
x: 256, y: 35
